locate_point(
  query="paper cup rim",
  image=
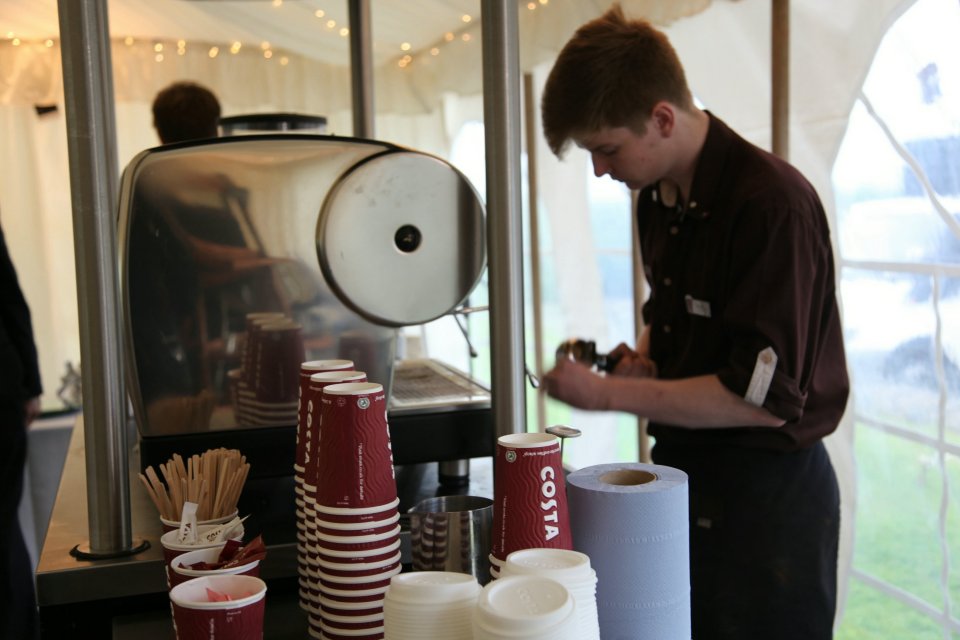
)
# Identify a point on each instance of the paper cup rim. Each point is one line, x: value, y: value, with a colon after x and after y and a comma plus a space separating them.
x: 362, y: 553
x: 202, y: 523
x: 177, y: 564
x: 358, y: 511
x: 528, y: 440
x: 377, y: 577
x: 352, y: 389
x: 167, y: 539
x: 359, y: 566
x: 373, y: 537
x: 372, y: 631
x: 330, y: 364
x: 337, y: 375
x: 358, y: 593
x: 357, y: 526
x: 211, y: 582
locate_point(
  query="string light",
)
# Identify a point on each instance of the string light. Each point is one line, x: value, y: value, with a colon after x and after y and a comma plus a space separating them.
x: 158, y: 47
x: 48, y: 43
x: 128, y: 41
x: 405, y: 46
x: 235, y: 47
x: 319, y: 13
x: 344, y: 32
x: 214, y: 51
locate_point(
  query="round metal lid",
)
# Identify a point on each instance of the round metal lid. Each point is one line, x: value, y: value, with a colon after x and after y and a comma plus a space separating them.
x: 401, y: 238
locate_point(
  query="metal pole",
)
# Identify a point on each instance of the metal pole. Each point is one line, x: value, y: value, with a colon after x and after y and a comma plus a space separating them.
x: 530, y: 120
x: 780, y: 77
x: 361, y: 68
x: 501, y: 116
x: 91, y: 138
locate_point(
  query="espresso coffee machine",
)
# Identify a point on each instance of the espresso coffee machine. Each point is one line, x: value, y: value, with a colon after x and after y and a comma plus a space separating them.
x: 347, y: 239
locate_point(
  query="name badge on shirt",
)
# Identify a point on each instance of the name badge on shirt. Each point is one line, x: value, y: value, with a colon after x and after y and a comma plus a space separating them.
x: 697, y: 307
x: 762, y: 377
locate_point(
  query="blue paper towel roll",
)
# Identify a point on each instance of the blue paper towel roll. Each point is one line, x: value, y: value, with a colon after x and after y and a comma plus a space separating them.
x: 632, y: 520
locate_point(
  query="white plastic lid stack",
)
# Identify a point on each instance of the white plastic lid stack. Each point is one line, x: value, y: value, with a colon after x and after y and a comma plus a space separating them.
x: 569, y: 568
x: 525, y: 608
x: 430, y: 604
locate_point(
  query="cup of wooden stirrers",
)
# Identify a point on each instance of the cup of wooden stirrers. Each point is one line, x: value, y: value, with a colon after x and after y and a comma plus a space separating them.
x: 213, y: 480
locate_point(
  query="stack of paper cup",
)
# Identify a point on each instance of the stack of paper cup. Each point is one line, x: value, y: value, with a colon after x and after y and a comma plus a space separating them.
x: 525, y: 608
x: 569, y: 568
x: 355, y: 549
x: 430, y: 604
x: 172, y: 547
x: 529, y: 500
x: 327, y: 372
x: 268, y: 385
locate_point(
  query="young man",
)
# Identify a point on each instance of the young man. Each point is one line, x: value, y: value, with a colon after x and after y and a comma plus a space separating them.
x: 741, y: 368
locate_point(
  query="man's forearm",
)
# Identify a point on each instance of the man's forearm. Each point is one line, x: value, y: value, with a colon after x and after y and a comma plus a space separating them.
x: 699, y: 403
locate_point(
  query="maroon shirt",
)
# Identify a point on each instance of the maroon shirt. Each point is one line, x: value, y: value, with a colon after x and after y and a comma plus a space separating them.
x: 748, y: 265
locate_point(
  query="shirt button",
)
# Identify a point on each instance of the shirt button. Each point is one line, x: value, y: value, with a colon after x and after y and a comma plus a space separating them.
x: 666, y: 328
x: 667, y: 282
x: 674, y: 230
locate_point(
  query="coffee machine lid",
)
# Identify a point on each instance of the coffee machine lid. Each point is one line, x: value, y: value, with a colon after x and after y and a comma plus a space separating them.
x: 401, y: 238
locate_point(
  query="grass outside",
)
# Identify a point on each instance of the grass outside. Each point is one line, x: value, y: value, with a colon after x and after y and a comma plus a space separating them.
x: 900, y: 487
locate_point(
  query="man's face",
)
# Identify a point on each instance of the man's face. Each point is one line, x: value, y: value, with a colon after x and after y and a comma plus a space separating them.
x: 628, y: 157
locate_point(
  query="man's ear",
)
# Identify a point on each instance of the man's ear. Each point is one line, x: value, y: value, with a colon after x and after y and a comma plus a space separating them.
x: 664, y: 118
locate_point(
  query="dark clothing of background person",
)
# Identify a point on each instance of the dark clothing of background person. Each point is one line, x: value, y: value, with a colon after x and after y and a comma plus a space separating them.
x: 19, y: 383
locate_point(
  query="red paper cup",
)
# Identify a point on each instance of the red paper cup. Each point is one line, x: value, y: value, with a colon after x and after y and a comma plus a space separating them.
x: 248, y: 351
x: 180, y: 571
x: 353, y: 596
x: 240, y: 618
x: 530, y: 500
x: 316, y: 382
x: 355, y: 462
x: 172, y: 525
x: 308, y: 369
x: 276, y: 365
x: 172, y: 548
x: 346, y: 514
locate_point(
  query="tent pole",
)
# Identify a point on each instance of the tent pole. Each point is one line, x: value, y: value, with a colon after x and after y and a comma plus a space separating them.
x: 780, y: 77
x: 502, y: 122
x: 91, y: 138
x: 361, y: 68
x: 530, y: 120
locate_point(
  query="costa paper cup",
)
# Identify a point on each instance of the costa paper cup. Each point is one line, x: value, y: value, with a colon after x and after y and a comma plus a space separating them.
x: 180, y: 571
x: 240, y: 618
x: 310, y: 413
x: 276, y: 366
x: 307, y: 369
x: 530, y: 500
x: 355, y: 462
x: 248, y: 352
x: 171, y: 525
x: 172, y: 548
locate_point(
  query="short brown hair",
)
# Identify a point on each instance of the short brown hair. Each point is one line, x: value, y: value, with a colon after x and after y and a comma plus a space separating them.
x: 611, y: 73
x: 185, y: 111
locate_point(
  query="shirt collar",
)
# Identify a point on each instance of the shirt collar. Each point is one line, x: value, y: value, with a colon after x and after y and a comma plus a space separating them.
x: 710, y: 168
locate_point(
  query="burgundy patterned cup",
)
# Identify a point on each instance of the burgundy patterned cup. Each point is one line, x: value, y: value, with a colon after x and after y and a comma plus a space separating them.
x: 310, y: 416
x: 197, y: 617
x: 530, y: 500
x: 181, y: 571
x: 276, y: 367
x: 307, y: 369
x: 248, y: 351
x: 355, y: 461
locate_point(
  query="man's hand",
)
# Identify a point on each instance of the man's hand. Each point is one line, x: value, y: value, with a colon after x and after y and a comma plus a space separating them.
x: 576, y: 384
x: 632, y: 363
x: 31, y: 410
